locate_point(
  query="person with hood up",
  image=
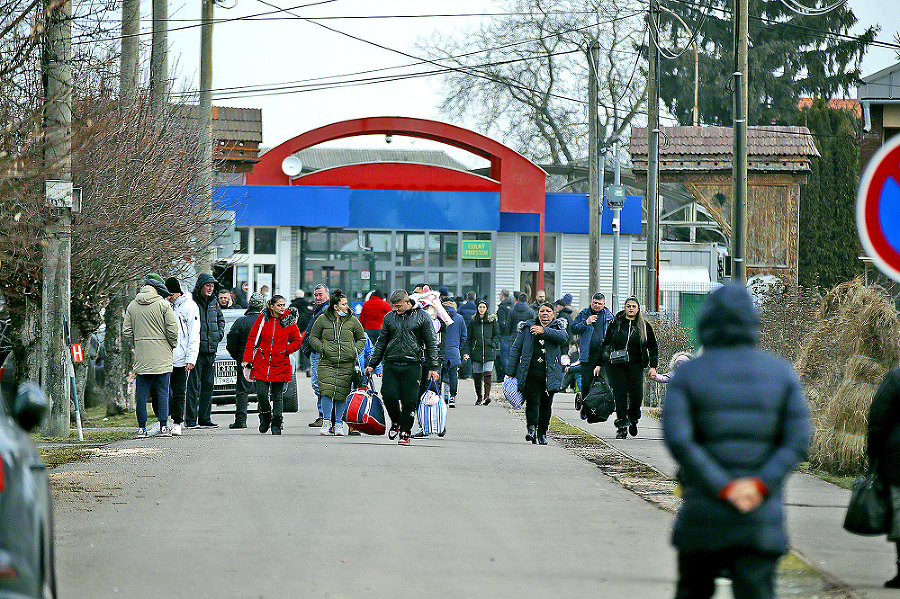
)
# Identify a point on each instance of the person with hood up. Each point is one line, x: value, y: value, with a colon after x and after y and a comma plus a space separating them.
x: 520, y: 312
x: 504, y: 307
x: 235, y: 344
x: 151, y: 324
x: 482, y: 345
x: 372, y: 314
x: 883, y: 451
x: 198, y: 404
x: 736, y: 421
x: 185, y: 355
x: 406, y: 344
x: 591, y: 324
x: 269, y: 359
x: 338, y: 337
x: 534, y: 362
x: 454, y: 338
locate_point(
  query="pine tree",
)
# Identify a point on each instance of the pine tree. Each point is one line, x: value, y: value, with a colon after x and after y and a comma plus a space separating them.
x: 790, y: 56
x: 828, y: 240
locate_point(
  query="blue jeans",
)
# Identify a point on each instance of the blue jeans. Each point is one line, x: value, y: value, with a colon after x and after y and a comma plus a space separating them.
x: 160, y: 383
x: 504, y: 353
x: 338, y: 406
x: 314, y: 371
x: 450, y: 376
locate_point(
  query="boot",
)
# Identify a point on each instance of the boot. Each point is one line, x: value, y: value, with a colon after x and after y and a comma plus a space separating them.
x: 276, y: 425
x: 542, y: 438
x: 265, y: 419
x: 621, y: 428
x: 531, y: 435
x: 476, y: 376
x: 487, y: 388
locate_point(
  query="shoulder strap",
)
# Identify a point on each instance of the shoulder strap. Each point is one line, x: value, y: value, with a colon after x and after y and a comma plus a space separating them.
x: 262, y: 323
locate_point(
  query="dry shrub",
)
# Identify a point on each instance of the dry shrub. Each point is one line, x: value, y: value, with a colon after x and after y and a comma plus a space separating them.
x: 856, y: 341
x: 671, y: 338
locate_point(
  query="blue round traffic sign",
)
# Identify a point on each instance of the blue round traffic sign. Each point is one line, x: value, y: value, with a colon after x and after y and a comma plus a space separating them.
x: 878, y: 209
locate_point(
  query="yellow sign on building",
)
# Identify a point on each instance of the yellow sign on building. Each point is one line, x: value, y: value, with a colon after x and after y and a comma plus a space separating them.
x: 476, y: 249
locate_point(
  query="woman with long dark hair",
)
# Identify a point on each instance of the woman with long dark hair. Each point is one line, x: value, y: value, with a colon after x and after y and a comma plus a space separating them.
x: 628, y: 348
x: 534, y: 362
x: 273, y: 338
x: 482, y: 344
x: 338, y: 337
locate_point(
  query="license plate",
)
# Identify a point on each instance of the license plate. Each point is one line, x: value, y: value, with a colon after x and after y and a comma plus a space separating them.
x: 226, y: 372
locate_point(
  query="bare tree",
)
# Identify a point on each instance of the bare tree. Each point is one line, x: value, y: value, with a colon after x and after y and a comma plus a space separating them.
x: 523, y: 77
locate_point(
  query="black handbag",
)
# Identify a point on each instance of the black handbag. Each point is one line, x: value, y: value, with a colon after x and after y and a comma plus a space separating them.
x: 620, y: 356
x: 868, y: 511
x: 599, y: 402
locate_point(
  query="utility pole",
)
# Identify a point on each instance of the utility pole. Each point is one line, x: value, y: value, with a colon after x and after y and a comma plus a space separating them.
x: 739, y: 162
x: 205, y: 122
x: 128, y: 69
x: 652, y: 302
x: 593, y: 174
x: 615, y: 197
x: 56, y: 285
x: 159, y: 60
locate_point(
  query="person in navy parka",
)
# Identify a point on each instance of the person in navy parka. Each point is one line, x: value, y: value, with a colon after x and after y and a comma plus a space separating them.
x: 736, y: 421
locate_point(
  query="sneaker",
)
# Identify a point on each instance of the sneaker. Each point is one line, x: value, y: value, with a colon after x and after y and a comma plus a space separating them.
x: 420, y: 434
x: 395, y: 429
x: 316, y: 423
x: 353, y: 432
x: 142, y: 432
x: 164, y: 431
x: 621, y: 433
x: 176, y: 430
x: 194, y: 426
x: 326, y: 427
x: 153, y: 430
x: 404, y: 438
x: 632, y: 429
x: 235, y: 425
x: 209, y: 425
x: 452, y: 402
x: 338, y: 429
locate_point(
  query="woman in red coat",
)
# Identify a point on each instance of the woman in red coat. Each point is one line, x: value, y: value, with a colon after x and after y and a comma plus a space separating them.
x: 267, y: 354
x: 372, y: 314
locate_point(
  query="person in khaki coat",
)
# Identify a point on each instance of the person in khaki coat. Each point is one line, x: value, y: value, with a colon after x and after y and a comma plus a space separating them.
x: 151, y: 324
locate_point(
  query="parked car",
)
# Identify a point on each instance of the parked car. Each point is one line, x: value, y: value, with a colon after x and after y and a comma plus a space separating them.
x: 227, y: 371
x: 27, y: 566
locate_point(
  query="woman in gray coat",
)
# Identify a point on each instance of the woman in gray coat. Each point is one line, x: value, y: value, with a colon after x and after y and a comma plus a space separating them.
x: 534, y: 362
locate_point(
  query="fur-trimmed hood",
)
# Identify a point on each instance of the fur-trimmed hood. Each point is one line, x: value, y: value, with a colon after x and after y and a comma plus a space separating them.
x: 289, y: 318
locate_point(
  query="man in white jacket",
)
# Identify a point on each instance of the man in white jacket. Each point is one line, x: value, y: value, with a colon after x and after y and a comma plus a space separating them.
x: 185, y: 355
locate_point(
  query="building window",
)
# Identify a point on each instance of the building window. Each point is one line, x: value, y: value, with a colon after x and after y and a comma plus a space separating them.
x: 380, y: 244
x: 443, y: 249
x: 530, y: 248
x: 241, y: 240
x: 264, y: 276
x: 410, y: 249
x: 264, y: 240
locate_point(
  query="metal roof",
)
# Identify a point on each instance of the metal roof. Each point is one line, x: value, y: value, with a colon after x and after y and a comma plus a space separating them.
x: 883, y: 85
x: 230, y: 124
x: 319, y: 158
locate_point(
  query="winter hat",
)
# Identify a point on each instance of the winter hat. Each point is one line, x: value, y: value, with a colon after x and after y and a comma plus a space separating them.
x: 160, y: 288
x: 444, y: 291
x: 567, y: 299
x: 156, y: 277
x: 256, y: 302
x: 173, y: 285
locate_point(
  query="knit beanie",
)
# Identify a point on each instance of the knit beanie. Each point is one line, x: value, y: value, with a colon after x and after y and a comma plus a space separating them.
x: 256, y: 302
x: 173, y: 285
x: 567, y: 298
x: 156, y: 277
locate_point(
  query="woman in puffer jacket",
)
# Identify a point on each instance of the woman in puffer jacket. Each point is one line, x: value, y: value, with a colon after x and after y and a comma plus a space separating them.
x: 482, y: 344
x: 338, y: 337
x: 534, y: 362
x: 273, y: 338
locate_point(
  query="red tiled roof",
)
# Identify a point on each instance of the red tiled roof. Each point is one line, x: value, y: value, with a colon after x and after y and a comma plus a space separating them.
x: 770, y: 140
x: 848, y: 104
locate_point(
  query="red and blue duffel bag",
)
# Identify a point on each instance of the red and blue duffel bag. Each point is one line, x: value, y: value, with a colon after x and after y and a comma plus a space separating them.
x: 365, y: 411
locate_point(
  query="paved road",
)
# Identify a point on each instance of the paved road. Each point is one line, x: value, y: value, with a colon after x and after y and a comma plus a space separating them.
x: 479, y: 513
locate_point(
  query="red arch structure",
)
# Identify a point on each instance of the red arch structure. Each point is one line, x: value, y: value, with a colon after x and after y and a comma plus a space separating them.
x: 521, y: 182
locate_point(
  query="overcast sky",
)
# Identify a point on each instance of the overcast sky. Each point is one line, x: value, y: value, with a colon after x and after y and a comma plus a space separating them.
x: 281, y: 52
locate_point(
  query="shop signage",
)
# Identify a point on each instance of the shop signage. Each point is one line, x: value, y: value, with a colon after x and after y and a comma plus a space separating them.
x: 476, y: 249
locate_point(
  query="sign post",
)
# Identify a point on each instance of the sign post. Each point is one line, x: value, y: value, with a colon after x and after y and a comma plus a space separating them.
x: 878, y: 209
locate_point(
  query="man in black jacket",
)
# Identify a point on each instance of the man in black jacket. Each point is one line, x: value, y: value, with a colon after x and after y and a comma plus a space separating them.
x: 407, y: 342
x: 198, y: 408
x: 883, y: 450
x: 237, y: 341
x: 503, y: 309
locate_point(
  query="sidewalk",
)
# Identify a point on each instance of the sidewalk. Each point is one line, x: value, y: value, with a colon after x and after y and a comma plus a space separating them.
x: 815, y: 511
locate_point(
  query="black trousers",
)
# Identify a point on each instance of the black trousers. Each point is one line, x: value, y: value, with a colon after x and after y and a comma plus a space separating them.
x: 266, y: 391
x: 538, y: 404
x: 400, y: 392
x: 627, y: 382
x: 198, y: 408
x: 177, y: 392
x: 752, y: 573
x: 241, y: 392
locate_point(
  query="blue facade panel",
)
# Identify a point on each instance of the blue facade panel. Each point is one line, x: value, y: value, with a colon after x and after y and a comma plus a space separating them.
x: 413, y: 209
x: 523, y: 222
x: 568, y: 213
x: 284, y: 205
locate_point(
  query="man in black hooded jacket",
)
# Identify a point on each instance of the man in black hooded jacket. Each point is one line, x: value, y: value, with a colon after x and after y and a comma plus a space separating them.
x: 198, y: 408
